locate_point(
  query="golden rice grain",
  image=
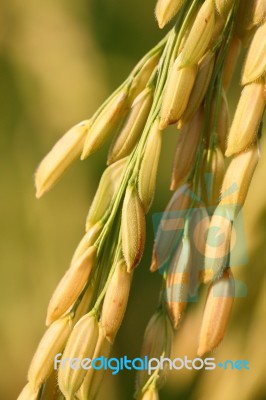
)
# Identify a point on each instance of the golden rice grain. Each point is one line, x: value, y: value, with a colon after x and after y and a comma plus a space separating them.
x: 218, y: 243
x: 223, y: 123
x: 157, y: 341
x: 186, y: 150
x: 133, y: 228
x: 115, y: 301
x: 109, y: 183
x: 248, y: 115
x: 170, y: 223
x: 165, y: 10
x: 177, y: 281
x: 105, y: 123
x: 132, y: 127
x: 255, y: 65
x: 237, y: 179
x: 176, y: 94
x: 149, y: 166
x: 212, y: 176
x: 93, y: 379
x: 71, y: 285
x: 198, y: 229
x: 216, y: 313
x: 205, y: 69
x: 81, y: 344
x: 200, y: 35
x: 62, y: 155
x: 52, y: 343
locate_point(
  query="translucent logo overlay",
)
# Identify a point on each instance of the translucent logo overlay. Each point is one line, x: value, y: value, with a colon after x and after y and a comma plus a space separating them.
x: 192, y: 243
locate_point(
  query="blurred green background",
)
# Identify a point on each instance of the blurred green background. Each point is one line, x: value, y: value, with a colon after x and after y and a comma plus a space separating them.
x: 58, y: 61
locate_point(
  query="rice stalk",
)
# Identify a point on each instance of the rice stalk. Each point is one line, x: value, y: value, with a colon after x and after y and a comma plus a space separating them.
x: 182, y: 80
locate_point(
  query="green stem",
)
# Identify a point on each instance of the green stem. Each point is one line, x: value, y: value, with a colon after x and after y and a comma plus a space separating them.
x: 167, y: 59
x: 172, y: 41
x: 117, y: 256
x: 129, y: 173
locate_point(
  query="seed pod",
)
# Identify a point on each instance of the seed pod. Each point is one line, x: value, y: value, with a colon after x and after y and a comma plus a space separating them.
x: 216, y: 313
x: 88, y: 240
x: 165, y: 10
x: 62, y: 155
x: 81, y: 344
x: 255, y: 65
x: 133, y: 228
x: 176, y: 94
x: 105, y: 123
x: 230, y: 62
x: 212, y: 176
x: 198, y: 228
x: 109, y: 183
x: 150, y: 394
x: 247, y: 118
x: 142, y: 73
x: 71, y: 285
x: 200, y: 87
x: 223, y: 123
x: 93, y: 379
x: 186, y: 150
x: 218, y: 244
x: 132, y: 128
x: 157, y: 341
x: 237, y: 179
x: 52, y: 343
x: 115, y: 301
x: 168, y: 232
x: 224, y: 6
x: 176, y: 294
x: 200, y: 35
x: 28, y: 394
x: 149, y: 166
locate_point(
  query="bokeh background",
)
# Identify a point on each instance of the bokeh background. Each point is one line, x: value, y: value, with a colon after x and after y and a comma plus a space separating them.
x: 58, y: 61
